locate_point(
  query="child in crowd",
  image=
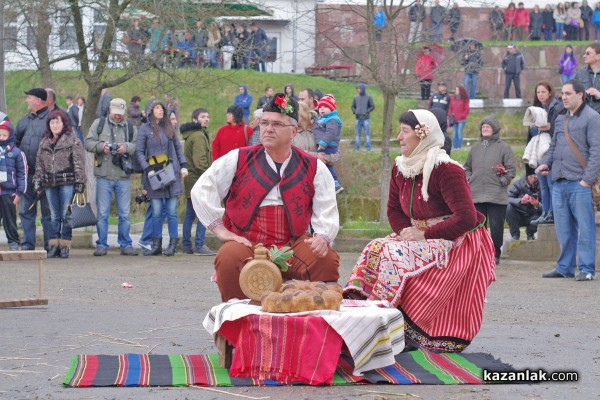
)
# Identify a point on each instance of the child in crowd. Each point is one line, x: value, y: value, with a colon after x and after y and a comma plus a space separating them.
x: 328, y: 131
x: 13, y: 181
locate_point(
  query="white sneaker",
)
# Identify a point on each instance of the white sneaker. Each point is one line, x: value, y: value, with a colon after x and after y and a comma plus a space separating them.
x: 145, y: 246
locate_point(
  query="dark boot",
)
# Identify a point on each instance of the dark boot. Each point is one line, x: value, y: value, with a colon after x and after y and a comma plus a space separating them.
x: 539, y: 220
x: 156, y: 248
x: 65, y: 245
x: 53, y: 250
x: 170, y: 251
x: 549, y: 218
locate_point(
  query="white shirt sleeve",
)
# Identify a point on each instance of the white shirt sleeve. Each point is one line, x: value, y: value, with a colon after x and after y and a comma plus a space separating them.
x: 325, y: 219
x: 212, y: 187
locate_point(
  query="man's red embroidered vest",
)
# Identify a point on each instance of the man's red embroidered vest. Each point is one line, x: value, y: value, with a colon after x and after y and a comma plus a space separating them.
x: 254, y: 179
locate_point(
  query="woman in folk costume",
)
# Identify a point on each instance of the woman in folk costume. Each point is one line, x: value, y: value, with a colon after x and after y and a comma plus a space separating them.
x: 439, y: 261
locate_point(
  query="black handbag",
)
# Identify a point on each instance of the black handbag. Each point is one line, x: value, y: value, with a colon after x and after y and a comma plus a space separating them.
x: 79, y: 213
x: 450, y: 120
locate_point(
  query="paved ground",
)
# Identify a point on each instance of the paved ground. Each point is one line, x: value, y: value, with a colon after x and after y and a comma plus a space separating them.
x: 529, y: 322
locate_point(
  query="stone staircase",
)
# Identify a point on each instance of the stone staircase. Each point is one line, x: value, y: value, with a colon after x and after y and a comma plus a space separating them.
x: 545, y: 247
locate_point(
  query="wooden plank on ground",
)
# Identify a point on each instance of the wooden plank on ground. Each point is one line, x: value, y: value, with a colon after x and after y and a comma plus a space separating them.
x: 23, y: 303
x: 22, y: 255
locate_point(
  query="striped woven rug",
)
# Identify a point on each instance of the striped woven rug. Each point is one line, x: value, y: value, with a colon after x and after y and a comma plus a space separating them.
x: 414, y: 367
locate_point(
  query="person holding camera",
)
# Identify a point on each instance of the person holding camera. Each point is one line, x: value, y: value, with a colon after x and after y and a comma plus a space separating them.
x: 113, y: 148
x: 524, y: 205
x: 158, y: 150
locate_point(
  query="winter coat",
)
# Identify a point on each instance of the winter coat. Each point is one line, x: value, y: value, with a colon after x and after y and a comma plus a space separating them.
x: 134, y: 115
x: 328, y: 130
x: 103, y: 105
x: 583, y: 127
x: 559, y: 17
x: 230, y: 137
x: 146, y: 146
x: 199, y: 39
x: 521, y: 17
x: 437, y: 14
x: 94, y: 143
x: 486, y: 186
x: 460, y: 109
x: 472, y: 61
x: 520, y: 188
x: 441, y: 101
x: 243, y: 100
x: 362, y: 104
x: 586, y: 13
x: 196, y: 150
x: 548, y: 20
x: 60, y: 164
x: 417, y: 13
x: 590, y: 79
x: 454, y: 17
x: 510, y: 16
x: 573, y: 15
x: 73, y: 113
x: 596, y: 17
x: 513, y: 63
x: 535, y: 25
x: 536, y: 149
x: 425, y: 66
x: 569, y: 63
x: 30, y: 131
x: 15, y: 162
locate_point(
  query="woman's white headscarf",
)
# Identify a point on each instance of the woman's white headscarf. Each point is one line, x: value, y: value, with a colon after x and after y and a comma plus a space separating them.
x: 428, y: 154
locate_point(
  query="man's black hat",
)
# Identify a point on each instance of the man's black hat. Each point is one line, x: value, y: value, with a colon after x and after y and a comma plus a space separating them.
x: 282, y: 104
x: 39, y: 93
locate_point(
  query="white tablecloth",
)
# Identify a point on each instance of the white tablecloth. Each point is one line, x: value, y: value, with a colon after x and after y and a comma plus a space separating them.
x: 373, y: 335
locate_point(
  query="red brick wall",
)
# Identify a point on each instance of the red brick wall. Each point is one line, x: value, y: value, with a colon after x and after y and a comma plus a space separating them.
x: 345, y: 25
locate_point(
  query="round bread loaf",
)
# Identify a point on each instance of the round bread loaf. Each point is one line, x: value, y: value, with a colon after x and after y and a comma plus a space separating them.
x: 299, y: 296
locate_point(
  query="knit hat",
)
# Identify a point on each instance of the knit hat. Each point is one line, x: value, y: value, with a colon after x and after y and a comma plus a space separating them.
x: 7, y: 126
x: 282, y: 104
x: 327, y: 101
x: 492, y: 121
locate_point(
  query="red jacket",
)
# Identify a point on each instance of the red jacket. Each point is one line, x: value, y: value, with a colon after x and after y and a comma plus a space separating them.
x: 425, y: 66
x: 521, y: 17
x: 510, y: 16
x: 459, y: 108
x: 230, y: 137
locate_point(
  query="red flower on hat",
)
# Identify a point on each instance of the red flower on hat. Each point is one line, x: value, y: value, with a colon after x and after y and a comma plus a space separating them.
x: 282, y: 103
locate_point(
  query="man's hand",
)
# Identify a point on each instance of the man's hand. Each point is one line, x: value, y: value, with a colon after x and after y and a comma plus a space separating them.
x: 318, y: 245
x: 15, y: 199
x: 412, y: 233
x: 121, y: 148
x: 543, y: 169
x: 525, y: 199
x: 593, y: 92
x: 105, y: 149
x: 534, y: 201
x: 584, y: 183
x: 225, y: 235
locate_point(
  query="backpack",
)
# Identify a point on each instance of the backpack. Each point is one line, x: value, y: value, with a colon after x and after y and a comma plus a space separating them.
x: 137, y: 168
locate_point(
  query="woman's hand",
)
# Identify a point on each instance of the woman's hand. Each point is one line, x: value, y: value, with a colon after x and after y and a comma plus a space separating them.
x: 412, y: 233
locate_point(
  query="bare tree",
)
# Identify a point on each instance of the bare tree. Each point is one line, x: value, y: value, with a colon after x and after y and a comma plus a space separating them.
x: 386, y: 62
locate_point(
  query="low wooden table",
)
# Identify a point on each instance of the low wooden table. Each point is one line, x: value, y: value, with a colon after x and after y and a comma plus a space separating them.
x: 294, y: 347
x: 40, y: 256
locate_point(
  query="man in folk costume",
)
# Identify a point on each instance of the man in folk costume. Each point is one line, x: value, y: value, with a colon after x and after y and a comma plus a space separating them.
x: 271, y: 193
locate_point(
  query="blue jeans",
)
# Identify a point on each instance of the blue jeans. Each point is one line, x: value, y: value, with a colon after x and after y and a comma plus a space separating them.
x: 331, y: 150
x: 148, y: 228
x: 560, y: 27
x: 104, y: 192
x: 575, y: 226
x: 548, y: 34
x: 159, y: 206
x: 596, y: 31
x: 28, y: 216
x: 188, y: 221
x: 546, y: 183
x: 362, y: 124
x: 59, y: 198
x: 470, y: 82
x: 457, y: 134
x: 564, y: 78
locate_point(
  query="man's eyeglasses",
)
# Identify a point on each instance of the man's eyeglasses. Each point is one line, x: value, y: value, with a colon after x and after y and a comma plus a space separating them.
x: 275, y: 124
x: 587, y: 53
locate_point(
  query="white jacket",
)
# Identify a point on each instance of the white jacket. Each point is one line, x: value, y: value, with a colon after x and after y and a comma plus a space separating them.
x: 536, y: 149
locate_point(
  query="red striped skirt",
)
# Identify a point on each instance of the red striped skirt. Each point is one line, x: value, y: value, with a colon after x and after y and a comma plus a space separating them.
x: 439, y: 285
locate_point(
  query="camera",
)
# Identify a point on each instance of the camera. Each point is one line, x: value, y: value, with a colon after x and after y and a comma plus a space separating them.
x: 124, y: 162
x: 141, y: 198
x: 113, y: 147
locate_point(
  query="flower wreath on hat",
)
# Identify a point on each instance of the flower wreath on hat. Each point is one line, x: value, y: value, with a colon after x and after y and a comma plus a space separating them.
x: 284, y: 104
